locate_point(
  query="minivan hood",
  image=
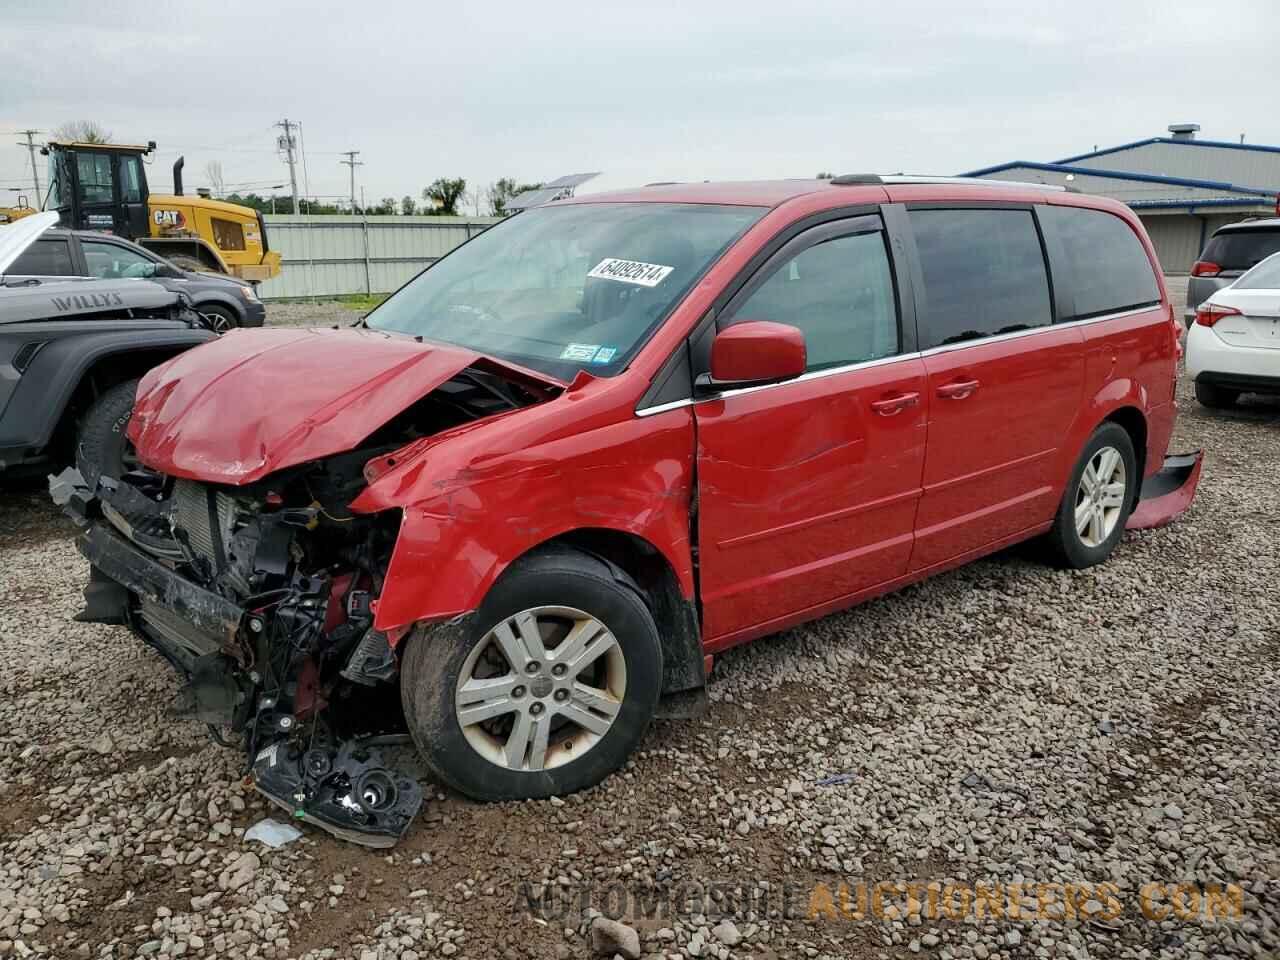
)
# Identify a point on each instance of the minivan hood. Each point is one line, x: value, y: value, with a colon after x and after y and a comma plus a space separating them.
x: 256, y: 401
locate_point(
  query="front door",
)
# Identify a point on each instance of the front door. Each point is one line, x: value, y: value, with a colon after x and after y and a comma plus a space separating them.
x: 808, y: 488
x: 1004, y: 384
x: 94, y: 180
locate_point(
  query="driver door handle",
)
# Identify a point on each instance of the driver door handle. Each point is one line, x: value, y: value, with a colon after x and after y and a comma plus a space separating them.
x: 958, y: 390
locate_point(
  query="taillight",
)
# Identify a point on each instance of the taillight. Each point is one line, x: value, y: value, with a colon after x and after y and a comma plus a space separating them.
x: 1205, y: 268
x: 1210, y: 313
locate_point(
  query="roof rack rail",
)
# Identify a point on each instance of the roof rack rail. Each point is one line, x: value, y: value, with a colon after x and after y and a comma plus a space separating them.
x: 863, y: 179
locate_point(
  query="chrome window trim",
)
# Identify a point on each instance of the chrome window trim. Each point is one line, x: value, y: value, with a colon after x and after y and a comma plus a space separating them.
x: 883, y: 361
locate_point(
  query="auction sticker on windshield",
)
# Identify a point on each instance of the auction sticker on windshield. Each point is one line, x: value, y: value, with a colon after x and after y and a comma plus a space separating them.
x: 630, y: 271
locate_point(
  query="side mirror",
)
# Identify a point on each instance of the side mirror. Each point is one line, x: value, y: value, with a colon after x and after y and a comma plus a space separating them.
x: 754, y: 352
x: 168, y: 271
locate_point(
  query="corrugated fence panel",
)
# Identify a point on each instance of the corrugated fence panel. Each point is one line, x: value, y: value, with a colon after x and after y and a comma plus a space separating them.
x: 326, y: 256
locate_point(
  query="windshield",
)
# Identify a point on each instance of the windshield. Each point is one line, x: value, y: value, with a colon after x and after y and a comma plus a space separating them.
x: 1265, y: 276
x: 559, y: 289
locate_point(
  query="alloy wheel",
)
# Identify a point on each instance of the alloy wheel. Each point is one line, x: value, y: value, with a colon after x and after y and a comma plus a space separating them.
x: 541, y: 688
x: 219, y: 323
x: 1100, y: 497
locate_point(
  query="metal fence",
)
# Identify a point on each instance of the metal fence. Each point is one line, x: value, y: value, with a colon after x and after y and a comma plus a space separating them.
x: 327, y: 256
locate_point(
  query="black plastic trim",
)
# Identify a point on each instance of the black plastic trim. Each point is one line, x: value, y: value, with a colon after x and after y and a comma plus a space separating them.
x: 1244, y: 382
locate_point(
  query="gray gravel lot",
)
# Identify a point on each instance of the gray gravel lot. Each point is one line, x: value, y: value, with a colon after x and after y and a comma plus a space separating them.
x: 323, y: 313
x: 1005, y: 723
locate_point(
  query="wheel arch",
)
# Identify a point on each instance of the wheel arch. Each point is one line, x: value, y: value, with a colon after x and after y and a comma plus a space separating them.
x: 196, y: 247
x: 72, y: 372
x: 1134, y: 423
x: 676, y: 616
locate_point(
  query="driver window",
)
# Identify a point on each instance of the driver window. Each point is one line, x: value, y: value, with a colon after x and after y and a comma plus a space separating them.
x: 839, y: 293
x: 96, y: 180
x: 110, y: 261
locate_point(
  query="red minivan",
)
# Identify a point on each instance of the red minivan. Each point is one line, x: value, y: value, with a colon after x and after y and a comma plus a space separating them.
x: 539, y: 487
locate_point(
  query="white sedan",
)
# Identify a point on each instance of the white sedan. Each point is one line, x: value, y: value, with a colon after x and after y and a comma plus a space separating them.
x: 1234, y: 345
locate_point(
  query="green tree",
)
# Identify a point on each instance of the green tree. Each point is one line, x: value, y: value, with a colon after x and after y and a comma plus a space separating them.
x: 501, y: 192
x: 83, y: 131
x: 444, y: 194
x: 825, y: 175
x: 407, y: 206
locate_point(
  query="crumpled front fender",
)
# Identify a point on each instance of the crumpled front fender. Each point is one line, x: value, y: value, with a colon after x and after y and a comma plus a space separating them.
x: 465, y: 518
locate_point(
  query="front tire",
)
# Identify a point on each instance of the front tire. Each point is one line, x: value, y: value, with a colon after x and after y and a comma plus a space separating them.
x: 546, y: 690
x: 220, y: 319
x: 1216, y: 398
x: 102, y: 447
x: 1097, y: 501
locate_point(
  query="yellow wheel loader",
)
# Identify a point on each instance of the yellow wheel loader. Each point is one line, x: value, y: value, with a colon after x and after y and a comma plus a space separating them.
x: 103, y: 186
x: 10, y: 214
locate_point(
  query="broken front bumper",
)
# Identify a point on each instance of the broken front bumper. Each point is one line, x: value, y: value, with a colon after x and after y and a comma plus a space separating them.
x: 342, y: 787
x: 1167, y: 494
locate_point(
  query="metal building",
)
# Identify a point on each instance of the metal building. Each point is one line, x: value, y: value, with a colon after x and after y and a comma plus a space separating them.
x: 1182, y: 188
x: 325, y: 256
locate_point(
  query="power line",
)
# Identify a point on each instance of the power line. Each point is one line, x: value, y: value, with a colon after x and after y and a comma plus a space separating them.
x: 352, y: 162
x: 287, y: 143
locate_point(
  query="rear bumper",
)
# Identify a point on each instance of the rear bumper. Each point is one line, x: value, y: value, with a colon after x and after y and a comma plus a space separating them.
x: 1168, y: 493
x: 1244, y: 382
x: 1211, y: 359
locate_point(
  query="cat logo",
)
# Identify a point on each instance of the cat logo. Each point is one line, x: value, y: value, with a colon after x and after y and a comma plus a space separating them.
x: 169, y: 218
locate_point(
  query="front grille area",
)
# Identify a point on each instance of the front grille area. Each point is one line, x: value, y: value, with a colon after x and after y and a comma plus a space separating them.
x: 208, y: 528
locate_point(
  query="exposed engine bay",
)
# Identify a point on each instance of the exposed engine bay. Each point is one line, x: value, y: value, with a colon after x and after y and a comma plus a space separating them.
x: 263, y: 596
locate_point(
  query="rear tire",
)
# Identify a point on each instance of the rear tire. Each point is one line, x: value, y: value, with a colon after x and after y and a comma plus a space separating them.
x: 1216, y: 398
x: 499, y: 716
x: 102, y: 447
x: 1097, y: 500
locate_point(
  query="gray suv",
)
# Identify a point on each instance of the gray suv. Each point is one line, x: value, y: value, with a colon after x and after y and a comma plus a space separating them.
x: 1231, y: 251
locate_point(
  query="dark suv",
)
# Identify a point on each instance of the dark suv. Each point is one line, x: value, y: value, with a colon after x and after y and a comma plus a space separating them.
x: 224, y: 302
x: 1231, y: 251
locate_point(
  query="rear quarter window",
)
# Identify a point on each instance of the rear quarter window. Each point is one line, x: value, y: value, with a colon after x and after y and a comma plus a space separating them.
x: 1103, y: 266
x: 44, y: 258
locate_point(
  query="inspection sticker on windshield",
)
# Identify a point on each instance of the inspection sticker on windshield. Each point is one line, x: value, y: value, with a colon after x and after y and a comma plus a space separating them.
x: 630, y: 271
x: 581, y: 352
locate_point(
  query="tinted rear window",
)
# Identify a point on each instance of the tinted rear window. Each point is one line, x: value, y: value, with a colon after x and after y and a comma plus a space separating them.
x: 1241, y: 249
x: 983, y: 274
x: 1106, y: 267
x: 44, y: 258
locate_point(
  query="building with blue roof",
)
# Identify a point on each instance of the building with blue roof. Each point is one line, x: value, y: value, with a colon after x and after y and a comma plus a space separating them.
x: 1182, y: 187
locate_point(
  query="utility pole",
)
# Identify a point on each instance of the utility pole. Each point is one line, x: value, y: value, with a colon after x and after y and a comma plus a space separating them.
x: 35, y: 173
x: 288, y: 145
x: 352, y: 162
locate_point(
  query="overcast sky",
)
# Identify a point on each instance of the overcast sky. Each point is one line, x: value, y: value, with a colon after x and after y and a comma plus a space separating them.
x: 642, y: 91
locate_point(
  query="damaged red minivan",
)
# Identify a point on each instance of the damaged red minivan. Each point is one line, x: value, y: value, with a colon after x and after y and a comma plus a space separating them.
x: 515, y: 511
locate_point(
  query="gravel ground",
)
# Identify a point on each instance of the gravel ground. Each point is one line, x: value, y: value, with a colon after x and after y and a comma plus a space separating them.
x: 322, y: 313
x: 1004, y: 723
